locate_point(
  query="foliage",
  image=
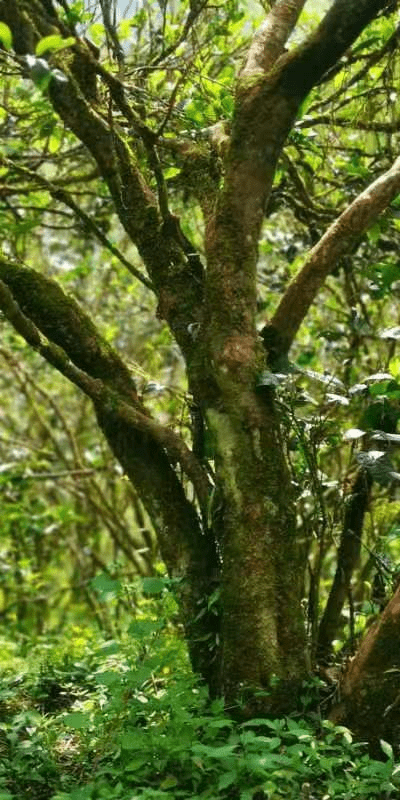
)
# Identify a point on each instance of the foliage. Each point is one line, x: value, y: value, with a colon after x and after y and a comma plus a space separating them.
x: 127, y: 719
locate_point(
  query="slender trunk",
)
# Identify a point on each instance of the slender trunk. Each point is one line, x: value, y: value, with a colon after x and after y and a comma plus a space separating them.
x: 369, y: 693
x: 348, y: 557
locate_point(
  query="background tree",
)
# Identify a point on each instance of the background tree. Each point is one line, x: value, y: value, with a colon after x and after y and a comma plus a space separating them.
x: 223, y: 496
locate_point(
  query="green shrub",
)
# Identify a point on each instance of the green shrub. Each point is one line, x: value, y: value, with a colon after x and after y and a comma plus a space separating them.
x: 128, y: 721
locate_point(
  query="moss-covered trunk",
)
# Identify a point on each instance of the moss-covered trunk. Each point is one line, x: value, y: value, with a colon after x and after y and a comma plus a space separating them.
x: 263, y: 635
x: 262, y: 622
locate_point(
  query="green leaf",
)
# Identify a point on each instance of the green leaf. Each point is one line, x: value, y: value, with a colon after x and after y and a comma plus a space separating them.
x: 53, y: 43
x: 171, y: 172
x: 152, y: 585
x: 131, y: 741
x: 170, y: 782
x: 108, y: 678
x: 78, y: 720
x: 215, y: 752
x: 105, y: 585
x: 6, y: 38
x: 144, y: 628
x: 387, y: 749
x: 226, y: 779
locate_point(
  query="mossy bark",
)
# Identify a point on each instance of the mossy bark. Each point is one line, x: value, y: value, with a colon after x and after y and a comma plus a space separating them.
x: 369, y: 691
x: 262, y: 622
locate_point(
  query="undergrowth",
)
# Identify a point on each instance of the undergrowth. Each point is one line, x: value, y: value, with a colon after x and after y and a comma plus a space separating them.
x: 91, y: 719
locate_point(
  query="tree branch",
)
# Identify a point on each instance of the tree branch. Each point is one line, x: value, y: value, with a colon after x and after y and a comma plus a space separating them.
x: 63, y: 196
x: 60, y: 318
x: 33, y: 303
x: 266, y: 107
x: 337, y: 241
x: 270, y: 39
x: 177, y: 282
x: 141, y: 447
x: 346, y: 19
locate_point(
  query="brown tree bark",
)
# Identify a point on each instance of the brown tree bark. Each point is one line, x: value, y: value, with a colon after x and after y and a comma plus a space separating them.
x: 369, y: 692
x: 347, y: 560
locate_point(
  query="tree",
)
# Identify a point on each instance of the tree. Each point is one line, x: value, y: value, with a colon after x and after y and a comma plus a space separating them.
x: 223, y: 504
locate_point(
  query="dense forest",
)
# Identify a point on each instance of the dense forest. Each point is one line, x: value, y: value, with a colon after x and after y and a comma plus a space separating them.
x: 200, y: 395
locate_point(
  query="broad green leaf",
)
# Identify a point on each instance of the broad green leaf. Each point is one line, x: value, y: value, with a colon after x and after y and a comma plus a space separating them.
x: 78, y: 720
x: 215, y: 752
x: 226, y: 779
x: 96, y: 32
x: 125, y: 29
x: 108, y: 678
x: 171, y: 172
x: 5, y: 35
x: 170, y: 782
x: 152, y: 585
x: 131, y: 740
x: 144, y: 628
x: 104, y: 585
x: 53, y: 43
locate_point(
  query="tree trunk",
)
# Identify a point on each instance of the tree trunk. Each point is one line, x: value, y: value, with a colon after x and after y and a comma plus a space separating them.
x: 262, y: 622
x: 369, y: 692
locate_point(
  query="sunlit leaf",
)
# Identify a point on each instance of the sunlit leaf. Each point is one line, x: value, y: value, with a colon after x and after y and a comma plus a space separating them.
x: 5, y: 36
x: 387, y: 749
x: 378, y: 376
x: 352, y: 434
x: 53, y: 43
x: 391, y: 333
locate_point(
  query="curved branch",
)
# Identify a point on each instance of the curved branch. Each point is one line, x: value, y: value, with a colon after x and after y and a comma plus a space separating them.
x: 36, y: 305
x: 346, y: 19
x: 61, y: 319
x: 369, y: 690
x: 337, y: 241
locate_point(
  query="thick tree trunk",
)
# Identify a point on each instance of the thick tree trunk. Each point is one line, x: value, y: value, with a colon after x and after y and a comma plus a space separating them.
x: 262, y: 622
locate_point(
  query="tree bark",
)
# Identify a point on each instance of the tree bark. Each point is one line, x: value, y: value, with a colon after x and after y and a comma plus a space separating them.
x: 369, y: 692
x: 347, y: 560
